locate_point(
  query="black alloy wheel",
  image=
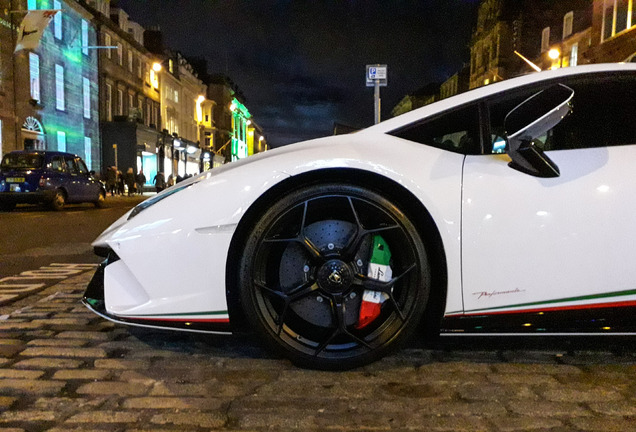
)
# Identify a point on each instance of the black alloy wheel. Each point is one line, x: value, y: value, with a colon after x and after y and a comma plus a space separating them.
x: 304, y: 272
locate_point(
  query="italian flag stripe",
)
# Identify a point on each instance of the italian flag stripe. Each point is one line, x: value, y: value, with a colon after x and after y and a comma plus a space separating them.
x: 186, y: 317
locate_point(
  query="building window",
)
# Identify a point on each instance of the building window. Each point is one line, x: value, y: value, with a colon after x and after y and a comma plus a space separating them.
x: 130, y: 60
x: 139, y: 68
x: 31, y: 5
x: 120, y: 102
x: 57, y: 20
x: 176, y: 96
x: 109, y: 102
x: 85, y: 37
x: 59, y: 88
x: 131, y: 102
x: 171, y: 66
x: 61, y: 141
x: 574, y: 55
x: 618, y: 15
x: 120, y: 53
x: 87, y: 97
x: 88, y: 155
x: 34, y: 72
x: 108, y: 42
x: 568, y: 19
x: 545, y: 39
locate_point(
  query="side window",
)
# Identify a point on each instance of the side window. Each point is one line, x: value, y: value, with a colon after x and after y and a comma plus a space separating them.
x: 70, y: 164
x: 57, y: 164
x: 456, y: 131
x: 602, y: 115
x: 81, y: 166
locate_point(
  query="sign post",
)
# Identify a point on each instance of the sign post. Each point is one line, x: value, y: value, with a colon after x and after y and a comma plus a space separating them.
x: 376, y: 78
x: 115, y: 150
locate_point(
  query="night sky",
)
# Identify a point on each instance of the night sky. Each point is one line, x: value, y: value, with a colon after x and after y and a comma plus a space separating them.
x: 301, y: 63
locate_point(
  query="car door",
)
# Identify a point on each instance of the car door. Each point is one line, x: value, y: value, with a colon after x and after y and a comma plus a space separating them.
x: 534, y: 244
x: 76, y: 183
x: 90, y: 187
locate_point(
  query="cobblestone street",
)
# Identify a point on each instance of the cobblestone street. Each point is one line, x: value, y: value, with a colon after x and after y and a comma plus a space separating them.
x: 63, y: 369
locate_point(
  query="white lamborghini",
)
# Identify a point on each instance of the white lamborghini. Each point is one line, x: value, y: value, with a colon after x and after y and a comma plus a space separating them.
x: 509, y: 209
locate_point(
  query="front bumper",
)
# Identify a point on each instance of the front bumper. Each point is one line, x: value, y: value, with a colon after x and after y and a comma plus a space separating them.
x: 94, y: 300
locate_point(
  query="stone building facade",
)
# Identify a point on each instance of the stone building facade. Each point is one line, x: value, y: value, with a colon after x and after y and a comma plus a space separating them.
x: 51, y: 94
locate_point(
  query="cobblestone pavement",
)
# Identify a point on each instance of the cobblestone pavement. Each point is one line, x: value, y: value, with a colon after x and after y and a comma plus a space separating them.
x: 64, y: 369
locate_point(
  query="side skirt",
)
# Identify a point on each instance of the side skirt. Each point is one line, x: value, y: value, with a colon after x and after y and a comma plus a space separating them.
x: 610, y: 320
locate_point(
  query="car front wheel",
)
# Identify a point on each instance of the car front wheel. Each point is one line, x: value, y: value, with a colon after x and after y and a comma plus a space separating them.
x: 101, y: 200
x: 334, y: 276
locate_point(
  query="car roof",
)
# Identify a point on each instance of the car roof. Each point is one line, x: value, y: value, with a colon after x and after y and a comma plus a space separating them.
x: 498, y: 87
x: 43, y: 152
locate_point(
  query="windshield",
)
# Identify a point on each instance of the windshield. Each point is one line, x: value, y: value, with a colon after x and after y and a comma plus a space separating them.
x: 22, y: 161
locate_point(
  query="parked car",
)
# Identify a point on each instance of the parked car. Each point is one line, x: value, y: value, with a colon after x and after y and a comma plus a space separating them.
x: 47, y: 177
x: 508, y: 209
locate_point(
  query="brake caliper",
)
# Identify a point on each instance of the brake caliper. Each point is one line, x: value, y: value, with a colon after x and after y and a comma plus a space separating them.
x: 380, y: 270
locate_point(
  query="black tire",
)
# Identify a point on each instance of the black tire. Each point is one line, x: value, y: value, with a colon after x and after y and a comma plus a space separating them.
x: 303, y: 273
x: 58, y: 201
x: 101, y: 200
x: 7, y: 207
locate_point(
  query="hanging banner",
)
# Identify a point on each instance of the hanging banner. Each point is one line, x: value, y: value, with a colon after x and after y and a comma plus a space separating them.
x: 32, y: 28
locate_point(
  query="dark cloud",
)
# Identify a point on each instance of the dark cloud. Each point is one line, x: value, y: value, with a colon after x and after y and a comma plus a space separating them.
x: 301, y: 63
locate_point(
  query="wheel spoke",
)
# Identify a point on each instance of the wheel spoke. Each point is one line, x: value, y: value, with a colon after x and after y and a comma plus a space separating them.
x: 302, y: 291
x: 339, y: 311
x: 301, y: 238
x: 293, y: 295
x: 376, y: 285
x: 384, y: 287
x: 281, y: 317
x: 356, y: 239
x: 264, y: 287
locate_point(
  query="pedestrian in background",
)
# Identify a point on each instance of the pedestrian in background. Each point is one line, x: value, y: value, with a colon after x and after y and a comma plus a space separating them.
x: 141, y: 181
x: 160, y: 182
x: 130, y: 181
x: 121, y: 186
x: 170, y: 181
x: 111, y: 180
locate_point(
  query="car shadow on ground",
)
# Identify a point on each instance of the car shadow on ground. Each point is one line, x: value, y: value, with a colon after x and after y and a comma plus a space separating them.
x: 532, y: 349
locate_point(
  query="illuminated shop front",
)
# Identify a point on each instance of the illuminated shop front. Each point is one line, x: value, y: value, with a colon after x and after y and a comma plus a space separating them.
x: 240, y: 122
x: 147, y: 162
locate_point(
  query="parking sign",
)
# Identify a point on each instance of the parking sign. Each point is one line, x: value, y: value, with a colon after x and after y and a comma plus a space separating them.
x: 375, y: 73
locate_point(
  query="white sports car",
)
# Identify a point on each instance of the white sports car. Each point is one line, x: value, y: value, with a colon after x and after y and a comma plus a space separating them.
x: 509, y: 209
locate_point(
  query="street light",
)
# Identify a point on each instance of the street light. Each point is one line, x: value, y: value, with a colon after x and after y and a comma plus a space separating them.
x: 555, y: 55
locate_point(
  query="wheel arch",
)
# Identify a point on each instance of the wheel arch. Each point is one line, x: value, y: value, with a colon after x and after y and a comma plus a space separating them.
x: 409, y: 204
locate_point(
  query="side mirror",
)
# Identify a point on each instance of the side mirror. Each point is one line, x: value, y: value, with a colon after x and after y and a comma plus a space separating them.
x: 531, y: 119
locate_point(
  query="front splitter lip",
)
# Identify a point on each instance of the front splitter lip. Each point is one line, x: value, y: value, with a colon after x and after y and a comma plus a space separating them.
x: 93, y: 299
